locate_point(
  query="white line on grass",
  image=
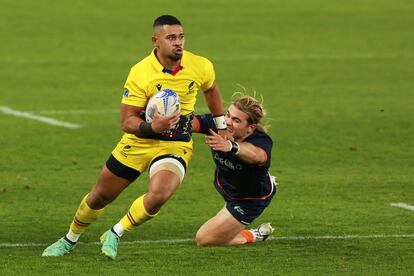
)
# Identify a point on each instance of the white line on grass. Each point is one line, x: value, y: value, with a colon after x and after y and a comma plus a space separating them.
x: 175, y: 241
x: 43, y: 119
x: 403, y: 205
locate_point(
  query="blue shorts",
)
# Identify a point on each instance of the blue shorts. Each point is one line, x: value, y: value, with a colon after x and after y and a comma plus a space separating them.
x: 245, y: 211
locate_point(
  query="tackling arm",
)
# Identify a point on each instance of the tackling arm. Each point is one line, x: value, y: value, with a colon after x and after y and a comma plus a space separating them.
x: 249, y: 153
x: 246, y: 152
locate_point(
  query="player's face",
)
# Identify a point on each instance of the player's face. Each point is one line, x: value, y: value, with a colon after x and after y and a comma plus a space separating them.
x: 237, y: 124
x: 169, y: 41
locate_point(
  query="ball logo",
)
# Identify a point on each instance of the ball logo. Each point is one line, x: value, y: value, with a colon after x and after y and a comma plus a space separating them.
x: 165, y: 102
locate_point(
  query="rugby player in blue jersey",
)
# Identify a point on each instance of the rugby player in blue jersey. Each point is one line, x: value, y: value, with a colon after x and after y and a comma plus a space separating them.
x: 241, y: 175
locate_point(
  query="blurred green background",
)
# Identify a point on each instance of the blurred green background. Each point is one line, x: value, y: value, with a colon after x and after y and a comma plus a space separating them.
x: 337, y: 82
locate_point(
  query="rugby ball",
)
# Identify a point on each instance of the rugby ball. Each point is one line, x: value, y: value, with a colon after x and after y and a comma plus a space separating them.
x: 166, y: 101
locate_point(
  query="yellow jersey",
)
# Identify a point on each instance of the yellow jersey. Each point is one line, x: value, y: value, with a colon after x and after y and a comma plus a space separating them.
x: 148, y: 76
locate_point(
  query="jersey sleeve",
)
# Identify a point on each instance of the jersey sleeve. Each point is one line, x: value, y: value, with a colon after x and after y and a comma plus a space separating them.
x: 263, y: 141
x: 203, y: 123
x: 209, y: 74
x: 134, y: 95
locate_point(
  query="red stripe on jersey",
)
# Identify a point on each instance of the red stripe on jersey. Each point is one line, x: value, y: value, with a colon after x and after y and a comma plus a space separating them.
x: 176, y: 70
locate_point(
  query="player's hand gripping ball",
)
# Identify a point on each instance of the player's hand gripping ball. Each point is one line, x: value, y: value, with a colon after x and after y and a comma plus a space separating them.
x: 165, y: 101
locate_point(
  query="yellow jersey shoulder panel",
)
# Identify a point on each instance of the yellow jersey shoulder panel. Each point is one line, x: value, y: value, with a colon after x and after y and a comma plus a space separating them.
x: 147, y: 77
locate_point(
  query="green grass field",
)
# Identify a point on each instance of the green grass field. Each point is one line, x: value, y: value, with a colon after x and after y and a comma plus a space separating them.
x: 337, y: 78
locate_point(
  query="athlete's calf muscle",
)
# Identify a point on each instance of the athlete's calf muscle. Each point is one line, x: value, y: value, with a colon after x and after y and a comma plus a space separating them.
x: 106, y: 190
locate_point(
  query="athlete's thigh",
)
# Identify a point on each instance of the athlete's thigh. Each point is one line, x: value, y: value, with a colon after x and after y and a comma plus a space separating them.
x: 166, y: 172
x: 164, y: 183
x: 181, y: 150
x: 168, y: 167
x: 136, y: 153
x: 221, y: 228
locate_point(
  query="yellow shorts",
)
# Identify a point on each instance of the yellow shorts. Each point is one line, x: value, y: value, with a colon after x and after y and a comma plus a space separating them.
x: 138, y: 153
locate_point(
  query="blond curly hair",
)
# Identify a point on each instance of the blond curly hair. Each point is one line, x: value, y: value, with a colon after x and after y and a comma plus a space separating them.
x: 253, y: 108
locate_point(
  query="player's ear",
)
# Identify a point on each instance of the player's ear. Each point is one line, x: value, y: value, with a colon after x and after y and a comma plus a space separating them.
x: 154, y: 41
x: 251, y: 128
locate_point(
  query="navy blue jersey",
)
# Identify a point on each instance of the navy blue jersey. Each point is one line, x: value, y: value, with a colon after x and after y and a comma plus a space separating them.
x: 234, y: 178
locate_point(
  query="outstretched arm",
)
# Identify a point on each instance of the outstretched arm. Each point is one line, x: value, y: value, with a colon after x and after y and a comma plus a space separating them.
x: 195, y: 125
x: 246, y: 152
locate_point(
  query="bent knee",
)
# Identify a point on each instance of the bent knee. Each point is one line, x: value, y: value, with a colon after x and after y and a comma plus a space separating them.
x: 201, y: 241
x: 207, y: 240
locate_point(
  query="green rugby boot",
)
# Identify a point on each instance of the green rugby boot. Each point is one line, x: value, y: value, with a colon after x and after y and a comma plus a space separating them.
x: 109, y: 243
x: 59, y: 248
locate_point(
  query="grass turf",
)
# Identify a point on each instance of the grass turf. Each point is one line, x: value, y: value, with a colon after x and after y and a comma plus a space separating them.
x: 337, y: 83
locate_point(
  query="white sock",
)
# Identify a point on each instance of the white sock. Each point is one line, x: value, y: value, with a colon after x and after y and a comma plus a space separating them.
x: 119, y: 229
x: 73, y: 237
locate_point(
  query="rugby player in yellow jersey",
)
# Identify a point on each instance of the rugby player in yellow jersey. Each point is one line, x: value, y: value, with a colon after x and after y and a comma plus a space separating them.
x: 164, y: 147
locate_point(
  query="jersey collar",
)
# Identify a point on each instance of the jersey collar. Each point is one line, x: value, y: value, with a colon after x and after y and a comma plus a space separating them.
x: 161, y: 68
